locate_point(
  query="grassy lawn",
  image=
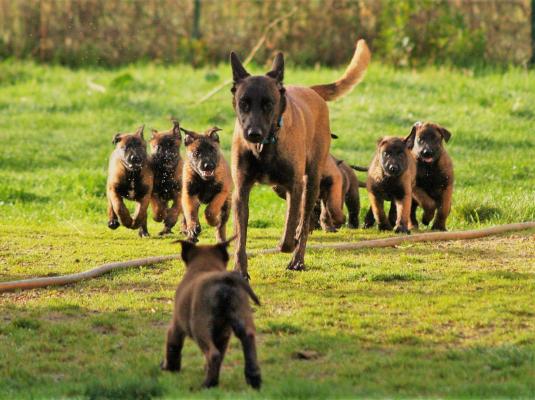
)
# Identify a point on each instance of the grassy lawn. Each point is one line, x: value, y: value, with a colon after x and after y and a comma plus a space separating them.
x: 425, y: 320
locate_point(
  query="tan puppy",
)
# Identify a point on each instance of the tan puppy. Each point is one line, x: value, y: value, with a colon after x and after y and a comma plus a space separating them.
x: 210, y: 304
x: 206, y: 179
x: 391, y: 176
x: 434, y: 173
x: 166, y: 165
x: 129, y: 177
x: 282, y: 137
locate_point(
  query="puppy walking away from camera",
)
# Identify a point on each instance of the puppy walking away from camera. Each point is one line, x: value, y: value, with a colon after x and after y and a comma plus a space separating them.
x: 391, y: 176
x: 166, y: 165
x: 434, y: 174
x: 210, y: 304
x: 129, y: 177
x: 207, y: 180
x: 282, y: 137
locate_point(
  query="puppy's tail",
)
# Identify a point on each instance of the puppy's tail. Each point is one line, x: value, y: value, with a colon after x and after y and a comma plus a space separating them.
x: 235, y: 280
x: 358, y: 168
x: 352, y: 75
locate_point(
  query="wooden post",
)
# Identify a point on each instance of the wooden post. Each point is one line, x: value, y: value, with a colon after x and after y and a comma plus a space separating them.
x: 196, y: 34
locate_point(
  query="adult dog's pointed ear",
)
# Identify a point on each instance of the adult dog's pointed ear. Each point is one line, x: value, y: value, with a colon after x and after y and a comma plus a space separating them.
x: 238, y: 70
x: 277, y: 69
x: 222, y: 248
x: 409, y: 140
x: 176, y: 129
x: 139, y: 132
x: 445, y: 133
x: 187, y: 250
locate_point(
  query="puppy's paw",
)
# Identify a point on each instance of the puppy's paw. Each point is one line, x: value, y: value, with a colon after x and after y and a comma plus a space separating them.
x: 143, y: 233
x: 439, y: 227
x: 113, y: 224
x: 385, y: 226
x: 165, y: 231
x: 254, y: 380
x: 402, y: 229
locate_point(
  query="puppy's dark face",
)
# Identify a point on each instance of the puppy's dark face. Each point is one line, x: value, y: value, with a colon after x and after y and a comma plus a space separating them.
x: 393, y: 156
x: 426, y: 141
x: 191, y: 252
x: 258, y: 100
x: 165, y: 145
x: 131, y: 149
x: 202, y: 152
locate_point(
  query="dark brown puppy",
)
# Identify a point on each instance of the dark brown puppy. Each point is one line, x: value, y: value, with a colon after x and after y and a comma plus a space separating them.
x: 166, y: 165
x: 391, y: 176
x: 282, y: 137
x: 352, y: 197
x: 210, y: 304
x: 206, y: 179
x: 129, y: 177
x: 434, y: 174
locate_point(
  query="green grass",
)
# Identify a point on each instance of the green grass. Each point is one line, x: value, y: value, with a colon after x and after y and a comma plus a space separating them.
x: 425, y: 320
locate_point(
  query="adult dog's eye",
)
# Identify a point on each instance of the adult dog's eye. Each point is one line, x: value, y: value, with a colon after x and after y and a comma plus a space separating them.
x: 244, y: 105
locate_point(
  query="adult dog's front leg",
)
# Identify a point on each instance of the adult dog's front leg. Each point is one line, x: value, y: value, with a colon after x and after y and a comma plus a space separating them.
x: 240, y: 206
x: 294, y: 198
x: 310, y: 198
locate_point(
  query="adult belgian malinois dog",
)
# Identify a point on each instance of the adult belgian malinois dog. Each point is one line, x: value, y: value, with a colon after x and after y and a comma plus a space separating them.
x: 210, y: 304
x: 282, y: 137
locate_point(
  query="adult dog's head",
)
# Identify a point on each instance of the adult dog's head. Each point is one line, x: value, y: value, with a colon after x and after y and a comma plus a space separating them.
x: 426, y: 141
x: 131, y: 149
x: 259, y: 101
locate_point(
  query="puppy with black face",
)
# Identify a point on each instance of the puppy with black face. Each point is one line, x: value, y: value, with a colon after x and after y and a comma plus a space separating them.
x: 434, y: 173
x: 391, y: 177
x: 166, y: 165
x: 210, y: 305
x: 282, y: 138
x: 129, y: 177
x: 206, y: 180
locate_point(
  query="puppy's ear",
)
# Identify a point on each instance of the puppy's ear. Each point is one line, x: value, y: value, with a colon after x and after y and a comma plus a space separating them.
x: 222, y: 248
x: 238, y: 70
x: 212, y: 132
x: 277, y: 69
x: 139, y: 132
x: 116, y: 138
x: 189, y: 137
x: 176, y: 129
x: 409, y: 140
x: 380, y: 141
x: 154, y: 133
x: 187, y: 250
x: 445, y: 133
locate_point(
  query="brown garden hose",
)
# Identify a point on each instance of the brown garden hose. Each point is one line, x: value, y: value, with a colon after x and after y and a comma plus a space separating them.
x: 375, y: 243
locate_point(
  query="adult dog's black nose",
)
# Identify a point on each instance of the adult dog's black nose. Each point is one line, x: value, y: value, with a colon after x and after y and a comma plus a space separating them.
x: 254, y: 135
x: 208, y: 166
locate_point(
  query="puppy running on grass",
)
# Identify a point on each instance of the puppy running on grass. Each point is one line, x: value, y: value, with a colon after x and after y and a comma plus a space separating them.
x: 391, y: 176
x: 129, y: 177
x: 166, y: 165
x: 210, y: 304
x: 434, y: 174
x: 206, y: 179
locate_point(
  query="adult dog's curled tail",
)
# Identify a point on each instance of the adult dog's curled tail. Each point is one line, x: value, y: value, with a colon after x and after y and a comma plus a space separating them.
x: 352, y: 75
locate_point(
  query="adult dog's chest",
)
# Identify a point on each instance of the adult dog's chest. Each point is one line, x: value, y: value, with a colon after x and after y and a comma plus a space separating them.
x: 204, y: 190
x: 268, y: 167
x: 431, y: 179
x: 132, y: 186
